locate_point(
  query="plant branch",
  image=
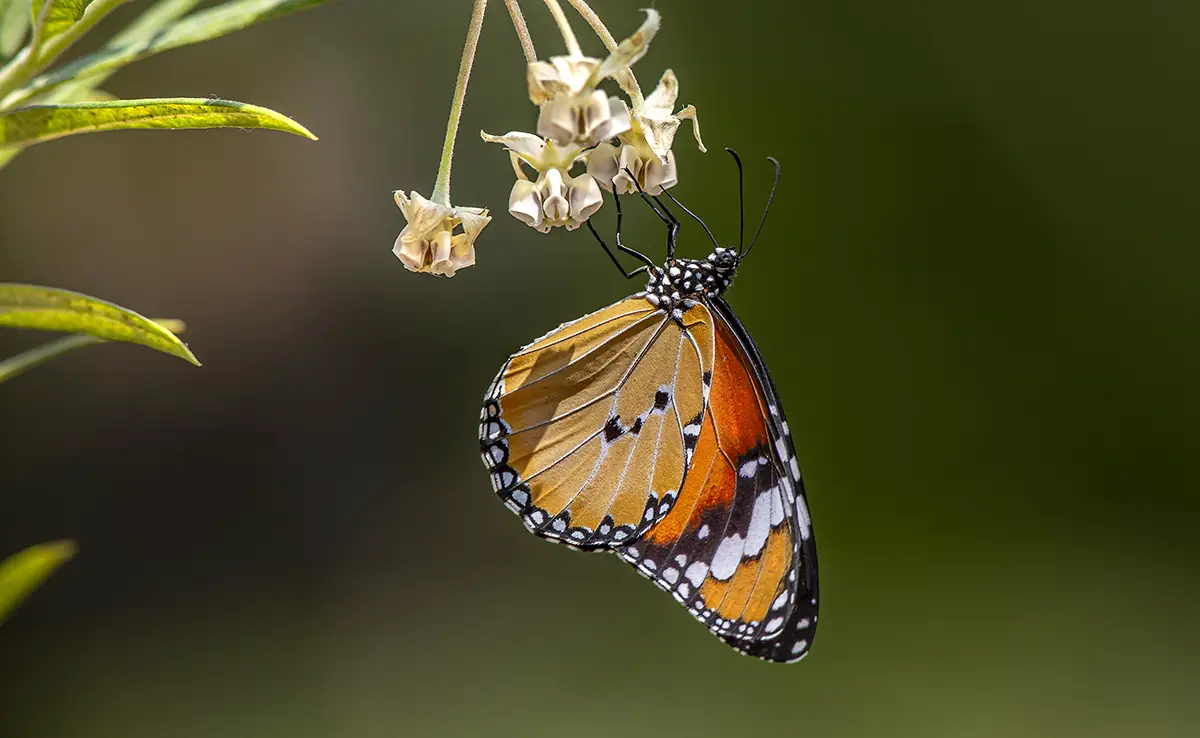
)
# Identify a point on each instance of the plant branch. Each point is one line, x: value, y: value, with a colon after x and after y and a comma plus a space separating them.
x: 514, y: 10
x: 441, y: 188
x: 36, y: 56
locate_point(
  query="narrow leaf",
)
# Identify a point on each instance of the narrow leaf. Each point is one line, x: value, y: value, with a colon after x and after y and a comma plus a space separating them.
x: 148, y: 24
x: 51, y: 309
x: 14, y: 24
x: 39, y: 355
x: 202, y: 26
x: 59, y: 15
x: 39, y: 123
x: 23, y: 572
x: 8, y: 154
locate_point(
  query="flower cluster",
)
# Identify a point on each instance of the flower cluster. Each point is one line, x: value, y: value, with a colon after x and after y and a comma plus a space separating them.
x: 587, y: 140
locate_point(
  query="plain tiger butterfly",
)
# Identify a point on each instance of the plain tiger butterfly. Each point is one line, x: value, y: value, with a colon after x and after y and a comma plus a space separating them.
x: 651, y: 429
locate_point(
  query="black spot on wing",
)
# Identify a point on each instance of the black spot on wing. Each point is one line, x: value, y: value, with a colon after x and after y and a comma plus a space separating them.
x: 662, y: 398
x: 613, y: 429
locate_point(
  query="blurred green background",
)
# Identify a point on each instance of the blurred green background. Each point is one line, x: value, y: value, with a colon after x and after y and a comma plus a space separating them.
x: 977, y: 294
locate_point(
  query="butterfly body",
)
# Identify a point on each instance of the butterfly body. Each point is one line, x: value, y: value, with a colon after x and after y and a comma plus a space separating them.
x: 651, y: 429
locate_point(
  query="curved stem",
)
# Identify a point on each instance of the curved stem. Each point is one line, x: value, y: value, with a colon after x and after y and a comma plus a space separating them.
x: 514, y: 11
x: 597, y: 25
x: 628, y: 82
x: 564, y: 27
x: 441, y: 188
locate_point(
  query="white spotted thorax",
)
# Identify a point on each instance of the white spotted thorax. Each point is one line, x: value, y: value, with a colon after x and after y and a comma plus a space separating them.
x: 680, y: 282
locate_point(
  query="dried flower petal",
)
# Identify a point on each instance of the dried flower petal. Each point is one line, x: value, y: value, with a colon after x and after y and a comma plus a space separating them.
x: 428, y: 243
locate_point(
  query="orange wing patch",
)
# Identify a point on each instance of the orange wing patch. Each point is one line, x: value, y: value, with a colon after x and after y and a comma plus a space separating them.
x: 583, y: 429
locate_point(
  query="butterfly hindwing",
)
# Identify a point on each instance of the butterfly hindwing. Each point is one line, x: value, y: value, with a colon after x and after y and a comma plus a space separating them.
x: 583, y: 429
x: 737, y: 548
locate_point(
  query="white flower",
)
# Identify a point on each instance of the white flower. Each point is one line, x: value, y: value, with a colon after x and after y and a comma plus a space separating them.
x: 646, y: 148
x: 611, y: 166
x: 428, y: 243
x: 572, y: 109
x: 556, y: 198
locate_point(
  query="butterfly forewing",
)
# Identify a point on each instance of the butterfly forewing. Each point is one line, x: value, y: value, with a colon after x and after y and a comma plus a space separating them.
x: 583, y: 429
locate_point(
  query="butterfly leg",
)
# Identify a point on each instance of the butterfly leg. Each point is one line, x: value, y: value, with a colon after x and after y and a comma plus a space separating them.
x: 672, y: 225
x: 620, y: 246
x: 664, y: 215
x: 624, y: 272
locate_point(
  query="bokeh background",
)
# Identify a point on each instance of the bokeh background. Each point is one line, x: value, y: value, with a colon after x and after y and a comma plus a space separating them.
x: 977, y: 294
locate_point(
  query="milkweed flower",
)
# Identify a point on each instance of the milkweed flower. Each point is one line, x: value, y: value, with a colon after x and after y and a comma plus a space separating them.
x: 555, y: 198
x: 645, y: 149
x: 430, y: 243
x: 573, y: 111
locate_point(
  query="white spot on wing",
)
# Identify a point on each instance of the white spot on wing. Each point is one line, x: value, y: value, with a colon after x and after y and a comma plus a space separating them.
x: 774, y: 624
x: 729, y: 554
x: 803, y: 519
x: 760, y: 524
x: 748, y: 469
x: 776, y: 506
x: 696, y: 573
x: 703, y: 532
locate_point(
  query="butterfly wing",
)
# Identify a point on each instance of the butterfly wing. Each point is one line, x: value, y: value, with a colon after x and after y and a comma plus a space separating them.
x: 583, y: 430
x: 737, y: 549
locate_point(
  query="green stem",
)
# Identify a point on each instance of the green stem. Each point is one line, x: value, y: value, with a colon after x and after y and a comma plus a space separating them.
x: 35, y: 56
x: 514, y: 10
x: 441, y: 188
x: 564, y: 28
x: 27, y: 360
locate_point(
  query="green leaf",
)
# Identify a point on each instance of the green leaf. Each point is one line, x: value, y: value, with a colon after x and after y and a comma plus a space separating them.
x: 8, y: 154
x: 83, y: 88
x: 14, y: 24
x: 22, y: 573
x: 34, y: 357
x: 57, y: 16
x: 203, y: 26
x: 51, y: 309
x: 39, y: 123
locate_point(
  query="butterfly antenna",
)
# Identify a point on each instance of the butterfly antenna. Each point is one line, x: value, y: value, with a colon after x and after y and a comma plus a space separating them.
x: 767, y: 209
x: 694, y: 217
x: 741, y: 201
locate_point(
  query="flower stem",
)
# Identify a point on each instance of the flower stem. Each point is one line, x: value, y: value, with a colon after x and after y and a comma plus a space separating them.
x: 564, y: 27
x: 441, y: 188
x: 514, y: 10
x: 597, y: 25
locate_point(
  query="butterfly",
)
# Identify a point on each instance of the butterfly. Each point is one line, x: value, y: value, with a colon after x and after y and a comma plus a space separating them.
x: 651, y: 429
